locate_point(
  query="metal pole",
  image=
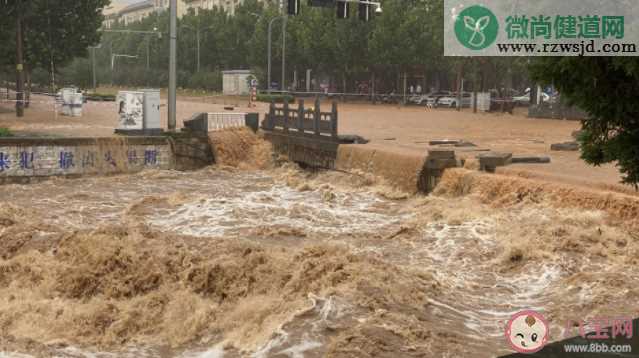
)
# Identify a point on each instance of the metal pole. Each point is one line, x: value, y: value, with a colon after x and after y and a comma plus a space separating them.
x: 268, y: 84
x: 19, y: 65
x: 111, y: 54
x: 148, y: 61
x: 197, y: 34
x: 95, y: 82
x: 172, y: 66
x: 283, y: 86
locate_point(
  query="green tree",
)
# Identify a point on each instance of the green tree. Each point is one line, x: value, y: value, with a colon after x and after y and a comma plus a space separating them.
x: 55, y: 31
x: 606, y: 88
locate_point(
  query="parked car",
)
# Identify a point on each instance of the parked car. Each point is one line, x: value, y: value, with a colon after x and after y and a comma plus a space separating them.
x: 451, y: 100
x: 433, y: 97
x: 416, y: 99
x: 390, y: 97
x: 524, y: 99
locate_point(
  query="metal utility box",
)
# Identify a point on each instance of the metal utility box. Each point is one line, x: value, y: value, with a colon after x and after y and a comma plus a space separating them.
x: 139, y: 112
x: 236, y: 82
x: 151, y: 109
x: 71, y: 101
x: 483, y: 101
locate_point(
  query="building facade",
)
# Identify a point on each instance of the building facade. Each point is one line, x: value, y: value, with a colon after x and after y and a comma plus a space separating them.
x: 138, y: 11
x: 195, y: 5
x: 111, y: 14
x: 117, y: 12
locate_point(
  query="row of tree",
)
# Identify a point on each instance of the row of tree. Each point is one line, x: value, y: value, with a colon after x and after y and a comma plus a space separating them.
x: 406, y: 40
x: 53, y: 32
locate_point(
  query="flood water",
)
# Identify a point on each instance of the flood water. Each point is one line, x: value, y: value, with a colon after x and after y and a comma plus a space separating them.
x: 279, y: 262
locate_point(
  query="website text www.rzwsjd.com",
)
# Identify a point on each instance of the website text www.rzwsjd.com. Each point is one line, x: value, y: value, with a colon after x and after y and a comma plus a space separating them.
x: 581, y: 48
x: 597, y: 348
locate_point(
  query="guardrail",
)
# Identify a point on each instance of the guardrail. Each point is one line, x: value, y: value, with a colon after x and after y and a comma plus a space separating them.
x: 211, y: 122
x: 301, y: 121
x: 219, y: 121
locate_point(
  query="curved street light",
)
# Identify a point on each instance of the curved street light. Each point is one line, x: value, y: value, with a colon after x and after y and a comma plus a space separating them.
x: 270, y: 28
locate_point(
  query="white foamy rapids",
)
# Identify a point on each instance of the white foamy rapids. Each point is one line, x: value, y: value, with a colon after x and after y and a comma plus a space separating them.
x: 464, y: 258
x: 14, y: 355
x: 304, y: 331
x: 72, y: 352
x: 215, y: 352
x: 278, y: 205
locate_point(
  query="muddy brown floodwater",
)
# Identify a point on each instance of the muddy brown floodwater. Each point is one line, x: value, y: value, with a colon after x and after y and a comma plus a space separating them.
x: 273, y: 261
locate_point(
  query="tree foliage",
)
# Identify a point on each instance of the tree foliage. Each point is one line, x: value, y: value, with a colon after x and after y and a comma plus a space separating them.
x: 54, y: 31
x: 606, y: 88
x: 406, y: 38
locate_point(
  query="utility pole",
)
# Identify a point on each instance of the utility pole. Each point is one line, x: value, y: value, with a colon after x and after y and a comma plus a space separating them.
x: 19, y: 64
x: 460, y: 84
x: 95, y: 82
x: 268, y: 71
x: 283, y: 86
x: 475, y: 65
x: 172, y: 66
x: 148, y: 61
x: 268, y: 66
x: 197, y: 35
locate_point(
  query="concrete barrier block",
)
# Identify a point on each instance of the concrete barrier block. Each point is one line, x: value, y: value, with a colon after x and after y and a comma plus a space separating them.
x: 443, y: 142
x: 441, y: 163
x: 441, y: 154
x: 531, y: 160
x: 567, y: 146
x: 494, y: 159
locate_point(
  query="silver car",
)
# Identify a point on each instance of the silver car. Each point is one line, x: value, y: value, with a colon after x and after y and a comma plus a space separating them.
x: 451, y: 100
x: 433, y: 97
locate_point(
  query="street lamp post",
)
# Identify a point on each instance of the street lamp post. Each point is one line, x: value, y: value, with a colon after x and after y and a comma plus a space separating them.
x: 282, y: 86
x: 270, y: 29
x: 197, y: 38
x: 95, y: 82
x: 148, y: 60
x: 172, y: 103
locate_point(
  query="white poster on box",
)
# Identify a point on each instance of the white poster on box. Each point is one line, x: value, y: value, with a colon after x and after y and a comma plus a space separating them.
x: 130, y: 110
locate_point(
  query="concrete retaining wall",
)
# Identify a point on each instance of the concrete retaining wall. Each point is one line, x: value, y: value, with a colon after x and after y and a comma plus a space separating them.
x: 26, y: 159
x: 38, y: 157
x: 191, y: 151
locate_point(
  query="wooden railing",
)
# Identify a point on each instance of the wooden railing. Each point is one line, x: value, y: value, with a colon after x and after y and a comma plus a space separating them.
x: 302, y: 121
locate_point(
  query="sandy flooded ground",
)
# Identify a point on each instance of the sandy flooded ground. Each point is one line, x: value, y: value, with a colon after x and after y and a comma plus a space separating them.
x: 390, y: 127
x: 266, y: 260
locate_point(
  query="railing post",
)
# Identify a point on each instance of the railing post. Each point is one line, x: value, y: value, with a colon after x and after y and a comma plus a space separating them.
x: 300, y: 117
x: 317, y: 117
x: 285, y: 110
x: 269, y: 123
x: 334, y: 120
